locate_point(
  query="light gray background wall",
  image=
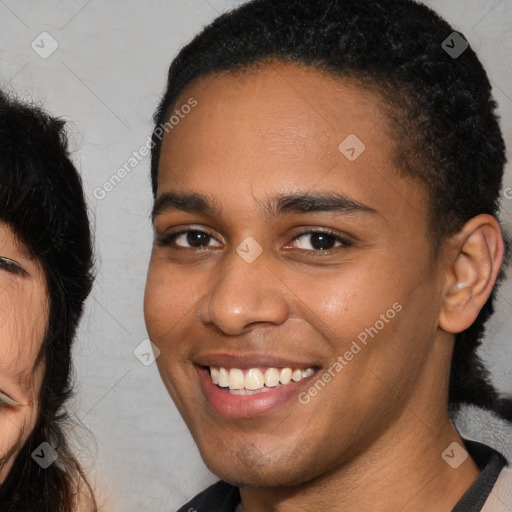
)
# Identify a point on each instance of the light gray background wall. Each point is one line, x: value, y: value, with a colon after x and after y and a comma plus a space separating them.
x: 105, y: 77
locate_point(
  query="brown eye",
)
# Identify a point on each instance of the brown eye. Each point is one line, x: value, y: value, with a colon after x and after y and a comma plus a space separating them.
x: 320, y: 241
x: 188, y: 239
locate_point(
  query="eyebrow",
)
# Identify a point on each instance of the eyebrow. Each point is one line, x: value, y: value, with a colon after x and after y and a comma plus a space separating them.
x: 308, y: 202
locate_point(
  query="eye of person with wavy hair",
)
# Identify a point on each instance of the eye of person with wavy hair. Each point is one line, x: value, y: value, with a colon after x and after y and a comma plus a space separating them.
x: 326, y: 254
x: 46, y: 262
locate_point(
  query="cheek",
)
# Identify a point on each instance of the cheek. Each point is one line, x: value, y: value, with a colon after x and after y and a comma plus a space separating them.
x: 23, y: 314
x: 169, y: 310
x: 171, y: 296
x: 23, y: 320
x: 154, y: 307
x: 159, y: 304
x: 367, y: 317
x: 21, y: 336
x: 16, y: 424
x: 339, y: 304
x: 11, y: 425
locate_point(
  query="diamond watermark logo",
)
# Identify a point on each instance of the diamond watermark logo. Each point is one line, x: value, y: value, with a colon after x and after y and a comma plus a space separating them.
x: 352, y: 147
x: 454, y: 45
x: 249, y: 249
x: 146, y: 352
x: 454, y: 455
x: 44, y: 45
x: 45, y: 455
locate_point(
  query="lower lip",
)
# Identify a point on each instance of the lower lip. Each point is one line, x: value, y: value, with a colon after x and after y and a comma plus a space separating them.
x: 247, y: 406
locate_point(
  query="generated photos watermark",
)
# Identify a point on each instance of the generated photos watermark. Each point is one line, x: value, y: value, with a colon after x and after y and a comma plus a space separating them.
x: 355, y: 348
x: 144, y: 150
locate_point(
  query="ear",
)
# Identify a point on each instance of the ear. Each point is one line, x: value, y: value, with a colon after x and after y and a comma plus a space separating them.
x: 474, y: 260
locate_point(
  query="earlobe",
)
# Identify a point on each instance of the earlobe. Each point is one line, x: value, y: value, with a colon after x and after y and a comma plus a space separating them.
x: 472, y: 272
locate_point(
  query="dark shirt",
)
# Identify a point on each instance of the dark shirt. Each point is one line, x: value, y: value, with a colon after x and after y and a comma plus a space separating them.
x: 223, y: 497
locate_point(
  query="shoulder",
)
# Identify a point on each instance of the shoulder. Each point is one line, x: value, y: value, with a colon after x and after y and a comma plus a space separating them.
x: 219, y: 497
x: 500, y: 498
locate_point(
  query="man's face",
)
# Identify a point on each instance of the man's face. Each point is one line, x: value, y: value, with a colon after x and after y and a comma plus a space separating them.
x: 353, y: 284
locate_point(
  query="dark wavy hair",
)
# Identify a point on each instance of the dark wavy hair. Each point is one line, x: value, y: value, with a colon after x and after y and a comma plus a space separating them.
x: 440, y: 109
x: 42, y: 201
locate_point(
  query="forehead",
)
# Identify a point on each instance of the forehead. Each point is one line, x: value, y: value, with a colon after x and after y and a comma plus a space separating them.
x: 284, y: 125
x: 284, y: 109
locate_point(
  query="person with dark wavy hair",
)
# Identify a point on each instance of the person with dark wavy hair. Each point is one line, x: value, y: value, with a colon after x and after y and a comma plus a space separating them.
x: 327, y: 253
x: 46, y: 260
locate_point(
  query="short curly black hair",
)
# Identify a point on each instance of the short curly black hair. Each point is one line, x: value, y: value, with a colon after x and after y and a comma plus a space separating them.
x: 439, y: 105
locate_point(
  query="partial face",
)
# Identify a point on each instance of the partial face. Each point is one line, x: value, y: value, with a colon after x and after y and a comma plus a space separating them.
x: 23, y: 319
x: 291, y: 290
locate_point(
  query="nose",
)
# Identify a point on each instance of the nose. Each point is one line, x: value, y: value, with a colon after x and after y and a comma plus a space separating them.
x: 245, y: 294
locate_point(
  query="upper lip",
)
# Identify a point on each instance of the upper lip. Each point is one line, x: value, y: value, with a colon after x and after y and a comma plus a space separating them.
x: 249, y: 360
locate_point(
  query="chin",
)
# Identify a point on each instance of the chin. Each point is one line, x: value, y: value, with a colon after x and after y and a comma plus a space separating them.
x: 247, y: 466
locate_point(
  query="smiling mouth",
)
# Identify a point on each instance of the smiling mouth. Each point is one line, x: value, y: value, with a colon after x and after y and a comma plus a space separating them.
x: 251, y: 381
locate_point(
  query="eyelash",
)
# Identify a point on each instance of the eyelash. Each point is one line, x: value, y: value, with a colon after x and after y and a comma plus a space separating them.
x: 11, y: 266
x: 7, y: 401
x: 169, y: 239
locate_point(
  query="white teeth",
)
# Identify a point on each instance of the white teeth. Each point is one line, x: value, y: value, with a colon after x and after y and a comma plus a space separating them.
x: 271, y: 377
x: 254, y: 380
x: 223, y: 378
x: 248, y: 391
x: 285, y: 375
x: 236, y: 379
x: 307, y: 373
